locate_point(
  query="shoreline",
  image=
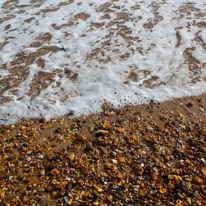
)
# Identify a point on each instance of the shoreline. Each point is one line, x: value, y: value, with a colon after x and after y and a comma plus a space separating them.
x: 172, y: 103
x: 137, y: 155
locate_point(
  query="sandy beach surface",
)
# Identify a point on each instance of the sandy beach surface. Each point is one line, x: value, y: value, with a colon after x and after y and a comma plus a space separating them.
x: 144, y: 155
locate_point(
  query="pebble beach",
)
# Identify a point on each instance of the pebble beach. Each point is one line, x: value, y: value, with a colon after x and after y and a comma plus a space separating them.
x: 102, y: 103
x: 151, y: 154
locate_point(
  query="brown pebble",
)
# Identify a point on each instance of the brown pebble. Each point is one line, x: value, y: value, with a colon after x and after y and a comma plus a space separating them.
x: 190, y: 104
x: 154, y: 177
x: 82, y: 138
x: 197, y: 180
x: 49, y: 188
x: 42, y: 172
x: 170, y: 185
x: 80, y: 181
x: 203, y: 132
x: 179, y: 150
x: 203, y: 170
x: 102, y: 132
x: 182, y: 185
x: 55, y: 172
x: 119, y: 129
x: 203, y: 190
x: 121, y: 159
x: 180, y: 196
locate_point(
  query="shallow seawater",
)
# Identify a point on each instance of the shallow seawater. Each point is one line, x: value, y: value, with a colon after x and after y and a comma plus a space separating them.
x: 67, y: 55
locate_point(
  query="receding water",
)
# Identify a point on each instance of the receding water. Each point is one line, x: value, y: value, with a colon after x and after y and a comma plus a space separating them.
x: 66, y: 55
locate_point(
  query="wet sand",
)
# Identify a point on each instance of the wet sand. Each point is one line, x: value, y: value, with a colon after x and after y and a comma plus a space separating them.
x: 144, y: 155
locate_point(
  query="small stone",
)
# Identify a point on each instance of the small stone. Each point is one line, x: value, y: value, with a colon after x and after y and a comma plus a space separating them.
x: 102, y: 132
x: 190, y: 104
x: 66, y: 199
x: 95, y: 193
x: 2, y: 193
x: 163, y: 190
x: 71, y: 157
x: 80, y: 181
x: 28, y: 159
x: 182, y: 185
x: 96, y: 203
x: 99, y: 189
x: 180, y: 196
x: 198, y: 203
x: 203, y: 170
x: 49, y: 188
x: 121, y: 159
x: 173, y: 177
x: 203, y: 132
x: 42, y: 172
x: 21, y: 176
x: 154, y: 177
x: 204, y: 190
x: 40, y: 156
x: 25, y: 198
x: 55, y: 182
x: 170, y: 185
x: 114, y: 161
x: 119, y: 176
x: 34, y: 182
x: 62, y: 192
x: 119, y: 129
x: 136, y: 197
x: 109, y: 198
x: 142, y: 193
x: 82, y: 138
x: 179, y: 150
x: 109, y: 166
x: 197, y: 180
x: 201, y: 109
x: 55, y: 172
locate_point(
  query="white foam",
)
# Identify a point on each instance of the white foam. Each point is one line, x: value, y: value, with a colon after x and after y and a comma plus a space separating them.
x: 154, y: 56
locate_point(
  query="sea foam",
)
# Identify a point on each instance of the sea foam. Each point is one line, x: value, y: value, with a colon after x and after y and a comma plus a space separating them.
x: 67, y: 55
